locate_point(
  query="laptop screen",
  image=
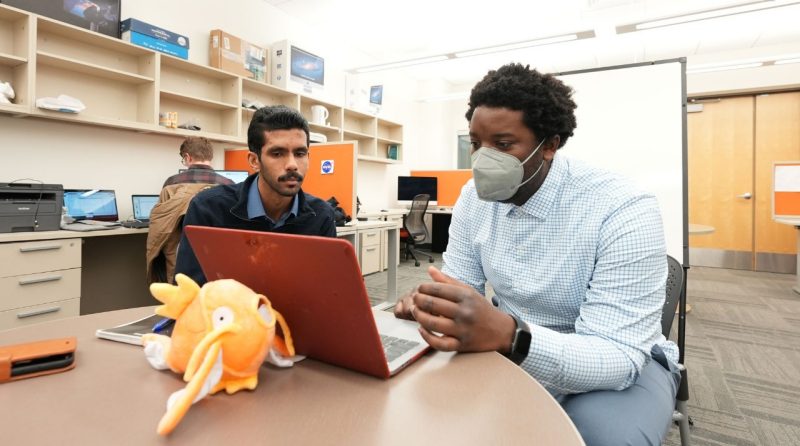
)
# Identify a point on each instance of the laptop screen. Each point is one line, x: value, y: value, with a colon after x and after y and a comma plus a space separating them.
x: 91, y: 204
x: 142, y: 205
x: 237, y: 176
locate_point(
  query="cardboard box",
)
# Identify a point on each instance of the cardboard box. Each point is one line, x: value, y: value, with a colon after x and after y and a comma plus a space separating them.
x: 237, y: 56
x: 155, y: 38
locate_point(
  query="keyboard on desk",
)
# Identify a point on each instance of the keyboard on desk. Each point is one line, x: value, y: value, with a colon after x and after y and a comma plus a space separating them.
x: 395, y: 347
x: 135, y: 224
x: 90, y: 225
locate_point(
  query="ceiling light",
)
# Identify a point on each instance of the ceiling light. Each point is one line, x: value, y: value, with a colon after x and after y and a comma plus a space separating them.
x: 724, y: 67
x: 519, y: 45
x: 402, y: 63
x: 787, y: 61
x: 704, y: 15
x: 478, y: 51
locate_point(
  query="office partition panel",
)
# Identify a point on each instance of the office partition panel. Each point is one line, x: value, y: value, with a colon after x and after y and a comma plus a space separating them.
x: 632, y: 120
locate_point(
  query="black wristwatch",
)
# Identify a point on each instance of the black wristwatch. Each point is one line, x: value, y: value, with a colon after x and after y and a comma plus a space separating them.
x: 521, y: 342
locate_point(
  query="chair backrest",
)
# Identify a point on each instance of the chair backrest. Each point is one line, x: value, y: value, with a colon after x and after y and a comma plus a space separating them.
x: 674, y: 287
x: 414, y: 222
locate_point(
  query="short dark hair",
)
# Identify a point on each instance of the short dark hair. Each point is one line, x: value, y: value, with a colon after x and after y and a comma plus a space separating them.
x: 546, y: 102
x: 198, y: 148
x: 273, y: 117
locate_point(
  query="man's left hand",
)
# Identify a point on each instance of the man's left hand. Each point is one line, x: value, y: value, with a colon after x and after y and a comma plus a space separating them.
x: 454, y: 317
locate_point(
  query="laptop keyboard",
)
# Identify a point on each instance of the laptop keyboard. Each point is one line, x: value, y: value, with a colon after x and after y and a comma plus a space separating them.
x: 395, y: 347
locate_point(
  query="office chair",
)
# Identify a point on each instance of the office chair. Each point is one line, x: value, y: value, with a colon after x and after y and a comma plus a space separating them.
x: 676, y: 298
x: 414, y: 230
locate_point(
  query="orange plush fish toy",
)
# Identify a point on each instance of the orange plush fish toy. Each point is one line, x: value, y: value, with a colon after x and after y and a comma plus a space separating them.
x: 222, y: 334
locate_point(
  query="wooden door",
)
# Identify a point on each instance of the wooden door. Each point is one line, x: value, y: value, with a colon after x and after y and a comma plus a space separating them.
x: 777, y: 138
x: 720, y: 179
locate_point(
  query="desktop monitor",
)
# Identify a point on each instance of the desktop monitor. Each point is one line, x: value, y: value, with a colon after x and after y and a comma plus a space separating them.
x: 101, y: 16
x: 237, y: 176
x: 376, y: 94
x: 91, y: 204
x: 410, y: 187
x: 307, y: 68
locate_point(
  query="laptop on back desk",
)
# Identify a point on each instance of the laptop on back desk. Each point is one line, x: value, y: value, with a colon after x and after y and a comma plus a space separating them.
x: 316, y: 283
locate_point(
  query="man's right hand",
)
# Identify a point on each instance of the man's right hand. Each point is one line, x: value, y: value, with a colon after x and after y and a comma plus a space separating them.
x: 402, y: 310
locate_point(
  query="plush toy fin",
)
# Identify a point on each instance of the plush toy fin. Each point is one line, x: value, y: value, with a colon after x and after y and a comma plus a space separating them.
x: 156, y: 350
x: 200, y: 350
x: 207, y: 376
x: 175, y: 298
x: 285, y: 345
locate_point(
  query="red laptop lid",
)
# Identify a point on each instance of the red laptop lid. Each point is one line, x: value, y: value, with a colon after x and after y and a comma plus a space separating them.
x: 314, y: 282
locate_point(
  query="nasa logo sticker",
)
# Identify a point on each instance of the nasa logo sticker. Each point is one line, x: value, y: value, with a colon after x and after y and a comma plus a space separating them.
x: 327, y: 167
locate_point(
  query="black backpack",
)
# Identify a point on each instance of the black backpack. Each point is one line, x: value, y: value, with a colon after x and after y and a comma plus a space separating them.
x: 339, y: 216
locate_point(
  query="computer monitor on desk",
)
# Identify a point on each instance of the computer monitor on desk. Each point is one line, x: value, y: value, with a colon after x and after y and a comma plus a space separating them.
x: 410, y: 187
x: 91, y: 204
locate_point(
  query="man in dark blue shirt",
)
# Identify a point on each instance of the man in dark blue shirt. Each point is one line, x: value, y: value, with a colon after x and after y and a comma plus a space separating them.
x: 270, y: 200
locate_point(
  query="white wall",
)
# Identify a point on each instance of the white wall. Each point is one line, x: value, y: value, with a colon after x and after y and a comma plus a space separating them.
x: 83, y: 156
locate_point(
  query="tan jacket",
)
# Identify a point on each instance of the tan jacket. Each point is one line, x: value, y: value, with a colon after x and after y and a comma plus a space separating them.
x: 164, y: 235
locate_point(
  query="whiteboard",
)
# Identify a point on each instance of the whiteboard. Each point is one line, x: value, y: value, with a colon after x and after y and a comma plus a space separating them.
x: 631, y: 120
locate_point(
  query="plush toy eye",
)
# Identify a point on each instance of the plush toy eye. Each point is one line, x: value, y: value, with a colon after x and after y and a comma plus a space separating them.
x: 221, y: 316
x: 263, y: 310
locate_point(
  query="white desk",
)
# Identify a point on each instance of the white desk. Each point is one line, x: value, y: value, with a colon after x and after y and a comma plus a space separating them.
x: 796, y: 223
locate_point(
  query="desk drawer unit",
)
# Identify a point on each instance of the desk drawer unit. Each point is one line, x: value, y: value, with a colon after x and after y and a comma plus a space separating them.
x: 40, y: 288
x: 370, y: 251
x: 39, y: 313
x: 37, y: 257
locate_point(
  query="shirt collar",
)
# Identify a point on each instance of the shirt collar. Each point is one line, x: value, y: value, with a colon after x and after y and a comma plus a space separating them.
x: 200, y: 166
x: 255, y: 207
x: 541, y: 202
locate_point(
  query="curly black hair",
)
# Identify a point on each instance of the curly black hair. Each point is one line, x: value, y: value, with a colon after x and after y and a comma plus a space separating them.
x: 546, y: 102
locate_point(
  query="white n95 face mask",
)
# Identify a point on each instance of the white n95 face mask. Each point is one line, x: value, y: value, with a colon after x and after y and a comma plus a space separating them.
x: 498, y: 175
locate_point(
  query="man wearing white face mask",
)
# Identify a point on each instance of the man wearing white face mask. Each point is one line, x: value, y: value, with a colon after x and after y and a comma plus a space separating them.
x: 576, y: 257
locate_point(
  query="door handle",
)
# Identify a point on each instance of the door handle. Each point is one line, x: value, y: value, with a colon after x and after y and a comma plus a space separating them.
x: 746, y: 196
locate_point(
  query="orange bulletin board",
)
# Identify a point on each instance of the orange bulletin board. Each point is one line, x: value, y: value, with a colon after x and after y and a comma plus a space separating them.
x: 448, y: 183
x: 786, y: 189
x: 341, y: 181
x: 236, y: 159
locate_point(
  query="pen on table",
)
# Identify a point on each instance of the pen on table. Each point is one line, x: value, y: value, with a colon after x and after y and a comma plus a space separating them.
x: 162, y: 324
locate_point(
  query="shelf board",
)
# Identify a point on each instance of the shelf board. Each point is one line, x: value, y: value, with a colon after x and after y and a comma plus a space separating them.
x: 14, y: 109
x: 389, y: 141
x: 185, y: 65
x: 90, y: 119
x: 358, y: 114
x: 91, y: 69
x: 212, y: 136
x: 62, y: 29
x: 208, y: 103
x: 375, y: 159
x: 322, y: 128
x: 312, y: 101
x: 387, y: 123
x: 10, y: 60
x: 266, y: 88
x: 356, y: 135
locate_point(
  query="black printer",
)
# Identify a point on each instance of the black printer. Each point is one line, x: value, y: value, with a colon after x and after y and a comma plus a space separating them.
x: 26, y: 207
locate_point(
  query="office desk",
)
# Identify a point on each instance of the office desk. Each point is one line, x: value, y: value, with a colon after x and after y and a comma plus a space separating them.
x: 104, y: 270
x: 66, y: 273
x: 389, y: 232
x: 114, y: 397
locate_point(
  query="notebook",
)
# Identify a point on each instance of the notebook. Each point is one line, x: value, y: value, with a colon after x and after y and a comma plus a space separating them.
x: 142, y: 205
x: 316, y: 283
x: 132, y: 332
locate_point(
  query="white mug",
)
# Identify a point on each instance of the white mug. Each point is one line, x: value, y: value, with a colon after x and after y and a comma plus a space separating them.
x: 319, y: 114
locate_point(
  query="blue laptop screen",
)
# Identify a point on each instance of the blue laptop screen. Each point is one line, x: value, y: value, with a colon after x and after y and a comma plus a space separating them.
x: 142, y: 205
x: 237, y: 176
x: 91, y: 204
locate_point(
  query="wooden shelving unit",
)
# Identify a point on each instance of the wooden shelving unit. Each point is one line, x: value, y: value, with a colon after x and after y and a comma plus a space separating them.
x: 125, y: 86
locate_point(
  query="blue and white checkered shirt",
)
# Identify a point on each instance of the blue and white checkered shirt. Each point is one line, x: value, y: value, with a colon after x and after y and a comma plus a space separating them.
x: 583, y: 262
